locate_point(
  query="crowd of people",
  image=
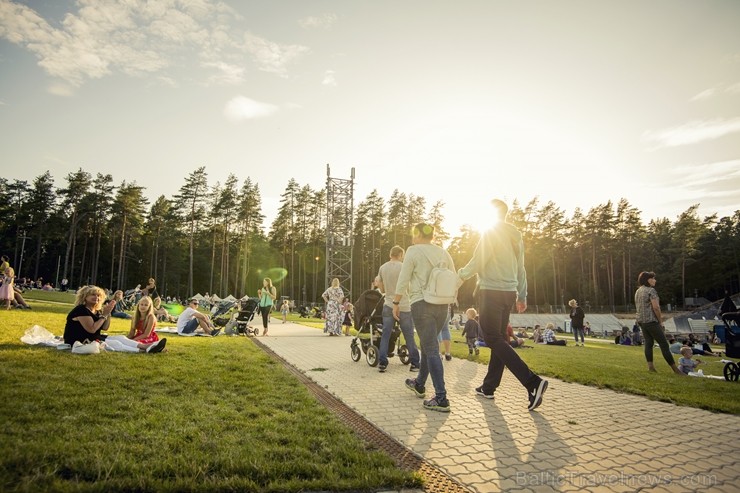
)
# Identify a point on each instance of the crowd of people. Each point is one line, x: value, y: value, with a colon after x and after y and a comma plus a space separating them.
x: 402, y: 280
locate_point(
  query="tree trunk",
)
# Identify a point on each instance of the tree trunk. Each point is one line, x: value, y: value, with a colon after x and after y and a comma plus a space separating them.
x: 121, y: 253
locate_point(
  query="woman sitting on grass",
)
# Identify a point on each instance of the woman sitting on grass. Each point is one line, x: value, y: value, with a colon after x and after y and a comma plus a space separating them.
x: 89, y: 318
x: 161, y: 313
x: 119, y: 309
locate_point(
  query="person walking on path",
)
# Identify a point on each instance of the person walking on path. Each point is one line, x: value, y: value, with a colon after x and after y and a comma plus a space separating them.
x: 333, y: 297
x: 387, y: 280
x: 650, y: 320
x: 498, y: 260
x: 284, y: 310
x: 428, y: 318
x: 471, y: 331
x: 267, y: 295
x: 576, y: 320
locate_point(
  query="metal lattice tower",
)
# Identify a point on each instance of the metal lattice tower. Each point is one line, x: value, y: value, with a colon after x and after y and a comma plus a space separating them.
x: 339, y: 214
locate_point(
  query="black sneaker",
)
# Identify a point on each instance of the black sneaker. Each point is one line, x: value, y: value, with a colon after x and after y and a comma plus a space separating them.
x: 157, y: 347
x: 433, y: 404
x: 215, y: 332
x: 535, y: 394
x: 479, y: 391
x: 382, y: 368
x: 418, y: 391
x: 413, y: 367
x: 448, y: 357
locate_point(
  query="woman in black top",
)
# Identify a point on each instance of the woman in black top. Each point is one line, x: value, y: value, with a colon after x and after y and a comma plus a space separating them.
x: 151, y: 289
x: 576, y: 320
x: 89, y: 317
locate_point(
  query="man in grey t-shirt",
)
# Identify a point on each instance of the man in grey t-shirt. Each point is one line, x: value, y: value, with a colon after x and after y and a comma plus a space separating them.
x: 387, y: 280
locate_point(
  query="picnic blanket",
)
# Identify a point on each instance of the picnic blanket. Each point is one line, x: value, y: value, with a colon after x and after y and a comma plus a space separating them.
x: 173, y: 330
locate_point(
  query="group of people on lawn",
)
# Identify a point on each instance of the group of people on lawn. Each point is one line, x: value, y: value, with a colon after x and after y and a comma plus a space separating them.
x: 91, y: 315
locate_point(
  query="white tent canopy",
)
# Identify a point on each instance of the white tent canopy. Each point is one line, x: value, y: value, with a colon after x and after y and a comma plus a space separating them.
x: 198, y: 297
x: 230, y: 298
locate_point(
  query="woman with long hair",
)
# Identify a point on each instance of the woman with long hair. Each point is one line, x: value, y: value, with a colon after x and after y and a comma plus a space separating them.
x: 267, y: 295
x: 90, y: 317
x: 333, y: 297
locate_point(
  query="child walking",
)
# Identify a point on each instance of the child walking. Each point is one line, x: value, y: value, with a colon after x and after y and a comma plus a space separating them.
x: 284, y: 309
x: 471, y: 330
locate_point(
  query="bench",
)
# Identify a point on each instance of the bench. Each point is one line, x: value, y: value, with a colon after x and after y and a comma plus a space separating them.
x: 700, y: 326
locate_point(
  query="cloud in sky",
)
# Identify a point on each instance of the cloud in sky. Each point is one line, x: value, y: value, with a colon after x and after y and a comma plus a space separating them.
x: 242, y: 108
x: 323, y: 21
x: 708, y: 173
x: 226, y: 73
x: 713, y: 91
x: 329, y: 78
x: 705, y: 94
x: 139, y: 38
x: 60, y: 88
x: 272, y: 57
x: 692, y: 132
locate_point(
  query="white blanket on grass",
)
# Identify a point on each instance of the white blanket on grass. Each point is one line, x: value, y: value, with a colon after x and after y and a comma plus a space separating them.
x: 173, y: 330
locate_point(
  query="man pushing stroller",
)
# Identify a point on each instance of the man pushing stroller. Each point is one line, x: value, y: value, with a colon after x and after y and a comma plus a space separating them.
x: 386, y: 282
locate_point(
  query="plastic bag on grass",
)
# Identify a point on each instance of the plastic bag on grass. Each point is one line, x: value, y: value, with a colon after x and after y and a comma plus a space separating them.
x: 39, y: 336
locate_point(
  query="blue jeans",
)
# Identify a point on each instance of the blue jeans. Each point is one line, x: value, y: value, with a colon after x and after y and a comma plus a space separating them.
x: 429, y: 320
x: 407, y: 328
x: 495, y: 307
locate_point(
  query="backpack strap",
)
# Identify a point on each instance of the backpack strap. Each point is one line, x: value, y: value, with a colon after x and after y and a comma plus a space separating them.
x: 441, y: 261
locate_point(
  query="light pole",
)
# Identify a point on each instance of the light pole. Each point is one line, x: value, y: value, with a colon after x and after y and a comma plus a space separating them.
x: 315, y: 275
x: 23, y: 249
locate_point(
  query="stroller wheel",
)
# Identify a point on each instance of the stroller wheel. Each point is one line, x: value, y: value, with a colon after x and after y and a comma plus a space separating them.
x: 372, y: 356
x: 403, y: 354
x: 732, y: 372
x: 355, y: 352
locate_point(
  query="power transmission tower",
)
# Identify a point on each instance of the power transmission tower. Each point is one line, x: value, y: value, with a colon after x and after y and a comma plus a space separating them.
x: 339, y: 214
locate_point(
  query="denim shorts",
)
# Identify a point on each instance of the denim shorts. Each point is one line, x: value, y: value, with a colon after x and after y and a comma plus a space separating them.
x: 190, y: 326
x: 444, y: 334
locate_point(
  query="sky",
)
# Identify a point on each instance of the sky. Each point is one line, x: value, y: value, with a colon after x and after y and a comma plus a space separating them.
x: 578, y: 102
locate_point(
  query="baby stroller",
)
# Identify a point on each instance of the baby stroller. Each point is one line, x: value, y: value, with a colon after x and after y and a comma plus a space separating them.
x: 731, y: 317
x: 369, y: 325
x: 222, y: 308
x: 131, y: 297
x: 247, y: 309
x: 303, y: 312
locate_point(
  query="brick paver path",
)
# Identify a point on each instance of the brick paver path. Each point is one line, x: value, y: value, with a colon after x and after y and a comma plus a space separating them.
x: 580, y: 439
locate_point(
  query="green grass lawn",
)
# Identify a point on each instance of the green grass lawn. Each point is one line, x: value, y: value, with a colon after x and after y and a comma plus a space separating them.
x: 207, y: 415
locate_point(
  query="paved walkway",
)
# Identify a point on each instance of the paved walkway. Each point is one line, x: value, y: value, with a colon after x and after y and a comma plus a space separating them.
x: 500, y: 446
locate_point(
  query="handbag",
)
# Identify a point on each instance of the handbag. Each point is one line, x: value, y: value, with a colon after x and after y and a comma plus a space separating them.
x: 86, y: 347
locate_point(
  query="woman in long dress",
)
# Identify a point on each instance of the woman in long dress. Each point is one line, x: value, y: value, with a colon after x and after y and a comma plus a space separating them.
x: 333, y: 297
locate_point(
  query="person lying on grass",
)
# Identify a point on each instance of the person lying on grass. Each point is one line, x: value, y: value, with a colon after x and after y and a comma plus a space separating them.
x: 89, y: 318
